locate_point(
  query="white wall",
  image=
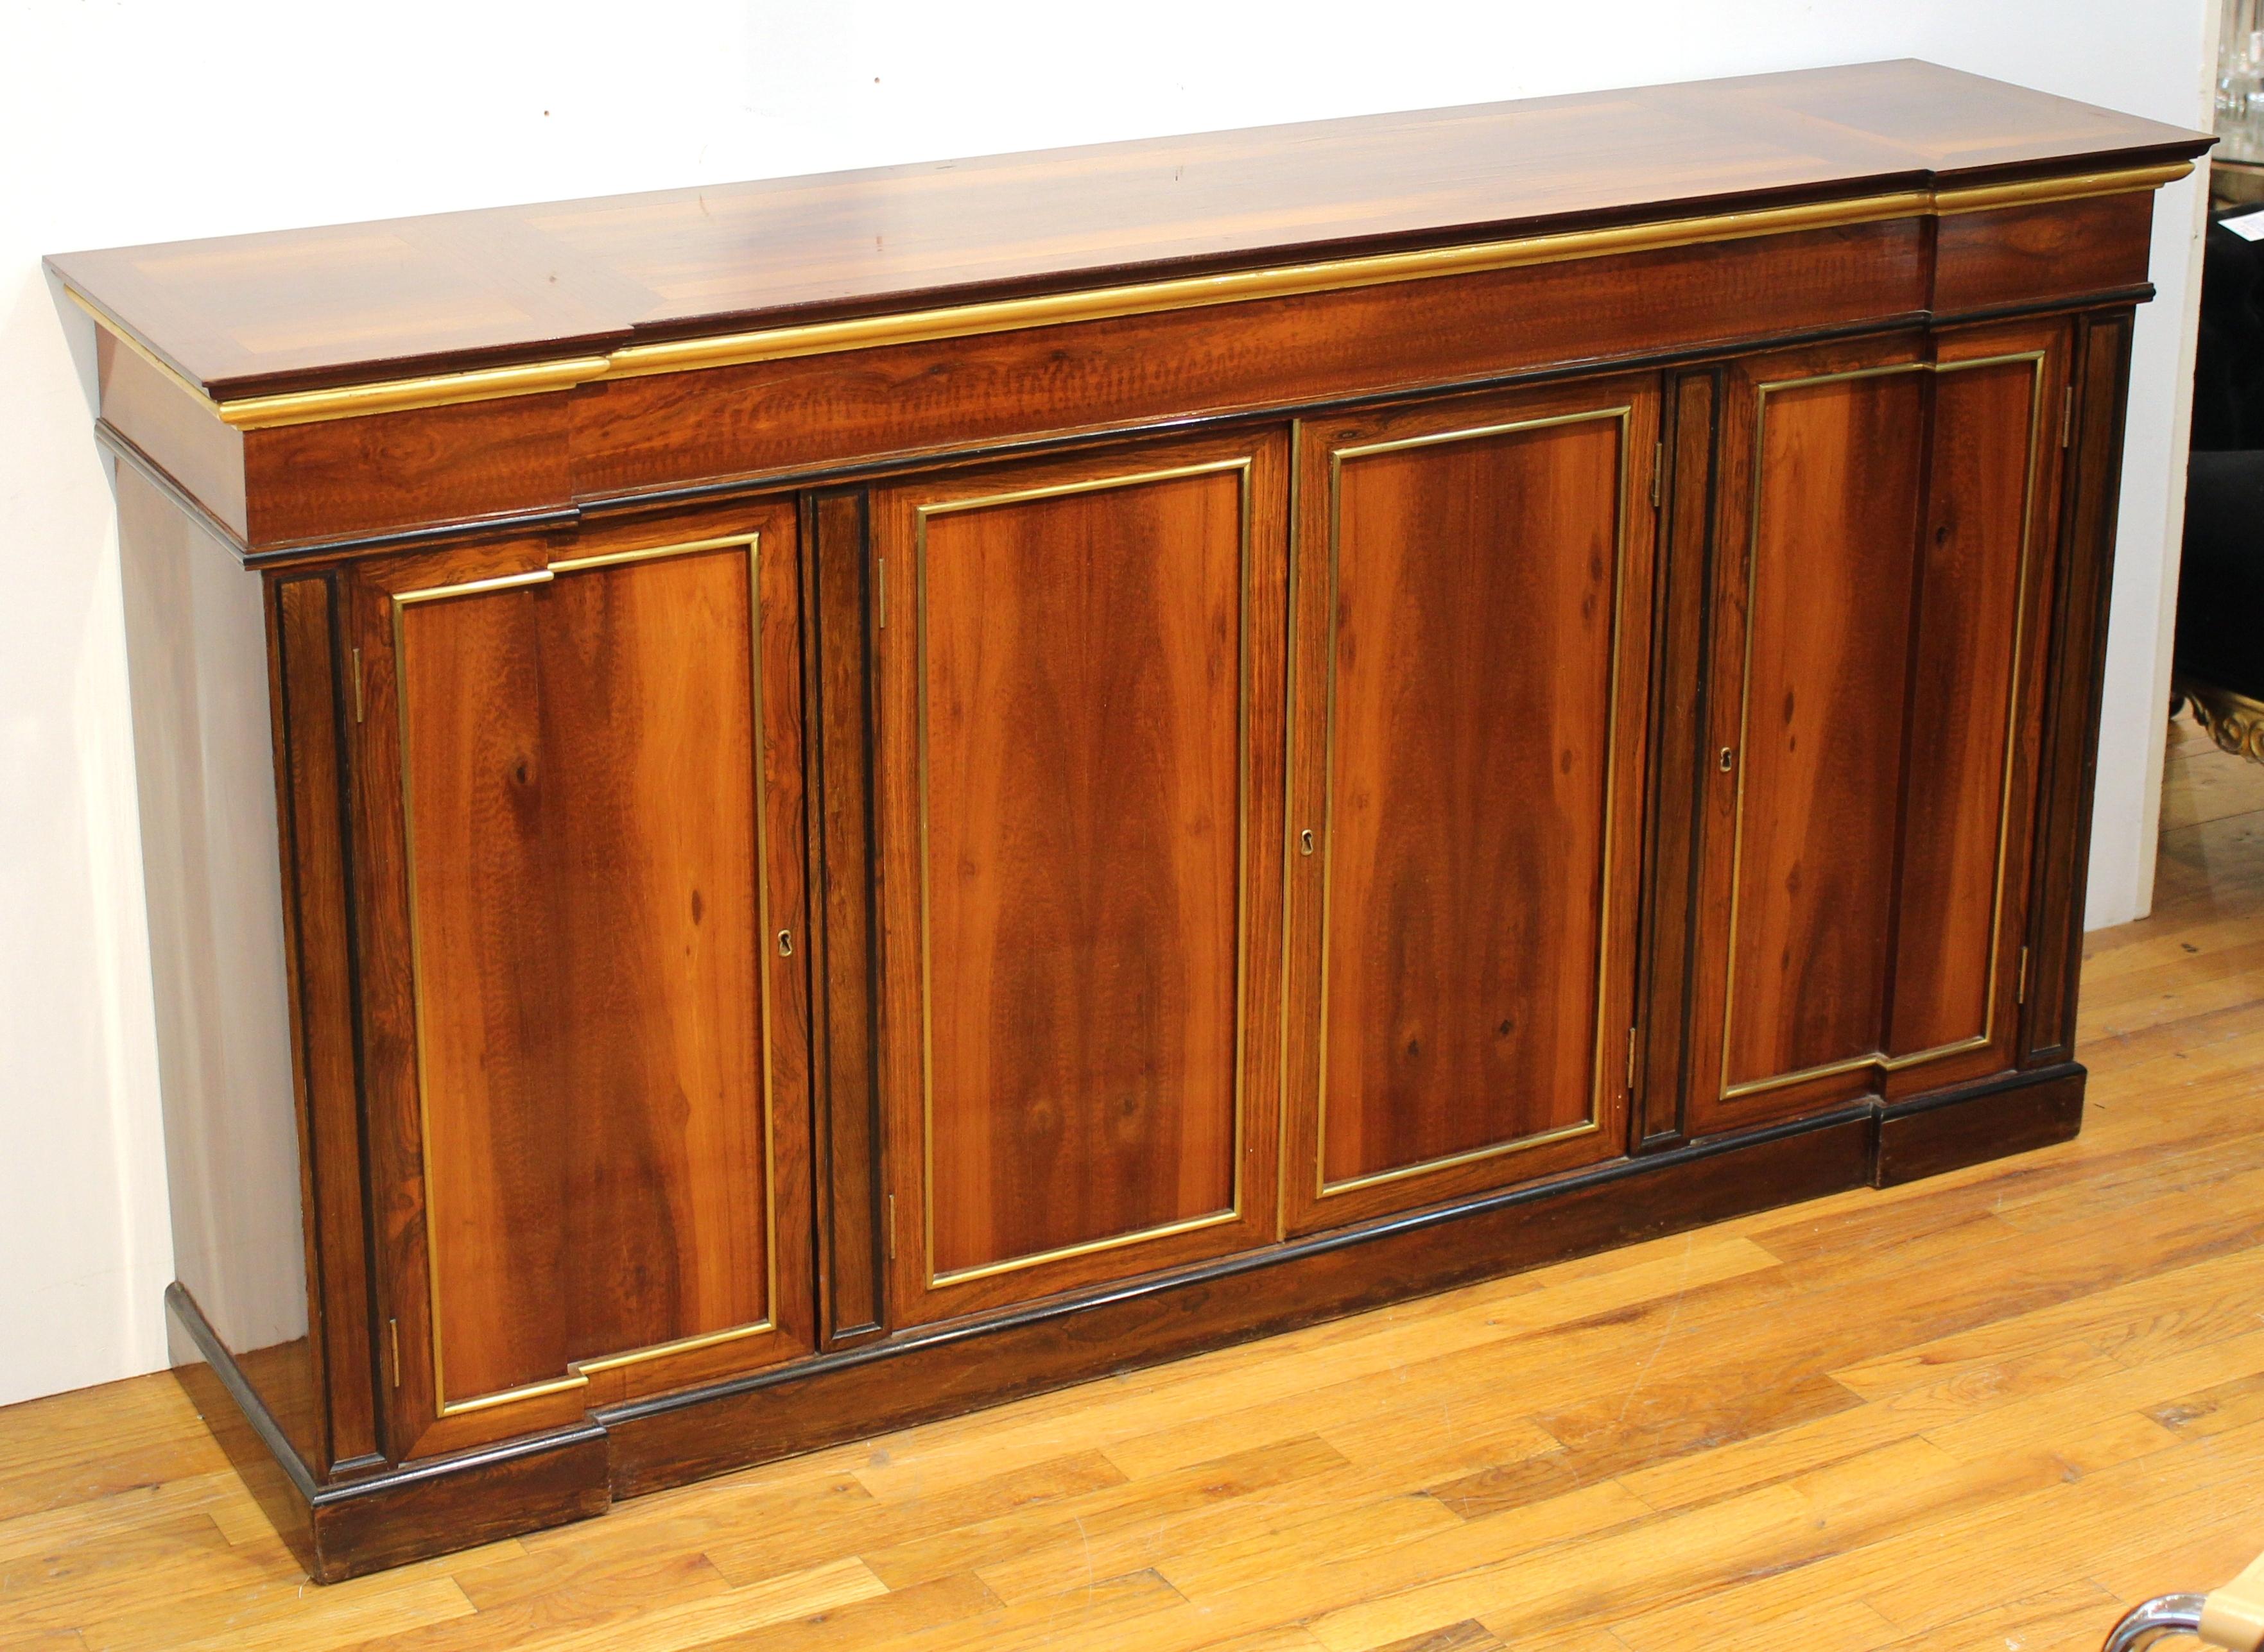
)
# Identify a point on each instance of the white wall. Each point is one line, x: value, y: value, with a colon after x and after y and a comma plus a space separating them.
x: 129, y: 121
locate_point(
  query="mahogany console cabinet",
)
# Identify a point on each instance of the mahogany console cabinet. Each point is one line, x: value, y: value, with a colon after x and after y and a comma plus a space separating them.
x: 776, y: 810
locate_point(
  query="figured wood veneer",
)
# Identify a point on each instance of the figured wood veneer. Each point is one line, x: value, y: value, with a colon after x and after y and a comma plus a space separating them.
x: 1820, y: 739
x: 590, y: 937
x: 1474, y: 604
x: 1080, y: 846
x: 1082, y: 812
x: 1989, y: 509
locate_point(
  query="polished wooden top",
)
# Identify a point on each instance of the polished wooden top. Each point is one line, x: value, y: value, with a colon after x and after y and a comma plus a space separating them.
x: 294, y: 309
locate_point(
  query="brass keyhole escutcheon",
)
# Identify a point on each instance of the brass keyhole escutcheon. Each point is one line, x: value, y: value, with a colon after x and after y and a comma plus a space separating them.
x: 786, y: 943
x: 1726, y: 759
x: 1305, y: 840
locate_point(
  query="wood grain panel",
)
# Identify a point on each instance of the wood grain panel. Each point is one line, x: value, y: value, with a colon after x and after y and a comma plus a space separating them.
x: 1084, y: 798
x: 354, y: 477
x: 2032, y: 256
x: 1474, y: 570
x: 648, y: 703
x: 1681, y: 698
x: 312, y: 704
x: 1975, y: 563
x: 2068, y: 743
x: 787, y: 415
x: 1827, y: 591
x: 496, y: 1173
x: 843, y: 953
x: 252, y: 314
x: 176, y: 430
x: 591, y: 920
x: 1072, y: 649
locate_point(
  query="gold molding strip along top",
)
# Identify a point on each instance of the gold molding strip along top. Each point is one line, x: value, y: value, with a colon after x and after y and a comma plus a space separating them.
x: 1143, y: 297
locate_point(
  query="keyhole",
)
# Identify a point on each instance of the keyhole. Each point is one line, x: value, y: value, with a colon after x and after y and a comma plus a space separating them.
x: 786, y: 943
x: 1305, y: 840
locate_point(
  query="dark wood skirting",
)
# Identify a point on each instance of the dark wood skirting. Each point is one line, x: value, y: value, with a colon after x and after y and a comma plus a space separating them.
x: 433, y: 1506
x: 351, y: 1527
x: 1948, y: 1131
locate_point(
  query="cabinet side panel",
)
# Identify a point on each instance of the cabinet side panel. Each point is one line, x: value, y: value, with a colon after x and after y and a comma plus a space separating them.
x: 1083, y: 772
x: 1829, y: 594
x: 180, y: 435
x: 1476, y: 580
x: 212, y: 867
x: 1975, y: 554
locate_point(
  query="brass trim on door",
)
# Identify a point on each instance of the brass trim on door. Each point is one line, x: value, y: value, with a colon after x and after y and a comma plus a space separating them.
x: 1880, y: 1058
x: 1323, y: 1188
x: 577, y: 1372
x: 1234, y: 1212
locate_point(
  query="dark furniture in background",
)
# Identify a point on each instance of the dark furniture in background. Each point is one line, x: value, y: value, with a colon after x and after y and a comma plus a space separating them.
x: 898, y: 789
x: 2219, y: 661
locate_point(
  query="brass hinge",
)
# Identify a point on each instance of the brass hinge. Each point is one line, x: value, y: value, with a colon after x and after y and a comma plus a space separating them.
x: 2021, y: 987
x: 2067, y: 416
x: 881, y: 592
x: 1631, y: 1060
x: 1657, y: 468
x: 357, y: 677
x: 393, y: 1331
x: 892, y: 1227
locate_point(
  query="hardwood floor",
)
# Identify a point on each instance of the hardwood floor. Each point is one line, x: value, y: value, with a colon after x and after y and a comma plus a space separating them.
x: 1983, y: 1411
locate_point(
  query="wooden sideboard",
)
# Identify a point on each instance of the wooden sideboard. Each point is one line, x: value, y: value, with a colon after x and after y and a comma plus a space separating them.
x: 777, y: 810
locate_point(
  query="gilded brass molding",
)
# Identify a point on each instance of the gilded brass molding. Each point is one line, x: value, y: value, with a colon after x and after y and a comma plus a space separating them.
x: 2234, y: 721
x: 1983, y: 197
x: 1142, y: 298
x: 396, y: 396
x: 358, y: 401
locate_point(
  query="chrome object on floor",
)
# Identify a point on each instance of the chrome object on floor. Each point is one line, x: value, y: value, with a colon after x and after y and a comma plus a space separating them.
x: 2231, y: 1618
x: 2154, y: 1620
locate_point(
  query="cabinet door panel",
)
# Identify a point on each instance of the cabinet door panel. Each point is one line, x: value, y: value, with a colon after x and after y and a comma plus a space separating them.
x: 1876, y: 657
x: 590, y: 817
x: 1966, y: 706
x: 1472, y: 625
x: 1826, y: 659
x: 1078, y: 692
